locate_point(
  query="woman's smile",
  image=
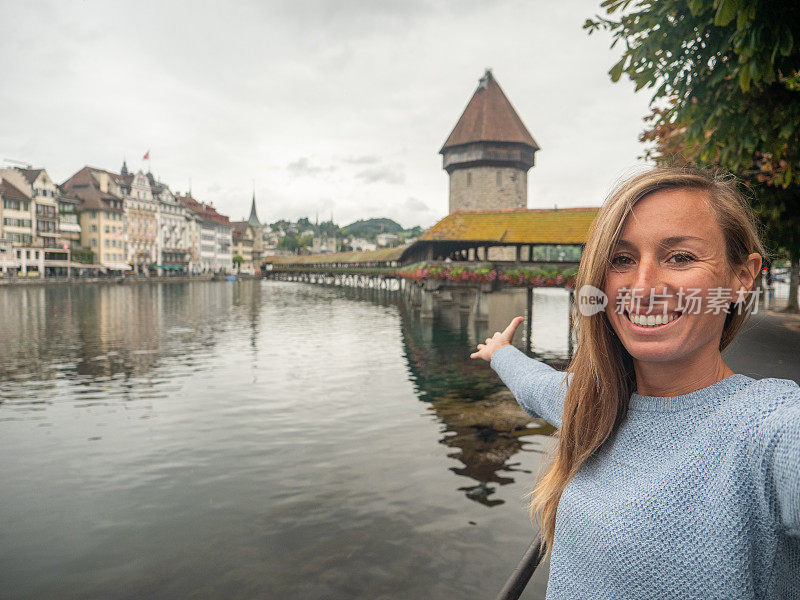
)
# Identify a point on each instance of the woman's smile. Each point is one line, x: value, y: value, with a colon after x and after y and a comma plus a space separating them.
x: 652, y: 321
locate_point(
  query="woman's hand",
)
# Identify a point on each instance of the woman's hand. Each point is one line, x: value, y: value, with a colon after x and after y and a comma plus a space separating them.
x: 498, y: 340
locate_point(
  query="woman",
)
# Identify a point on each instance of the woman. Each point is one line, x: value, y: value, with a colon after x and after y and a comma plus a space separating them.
x: 673, y: 476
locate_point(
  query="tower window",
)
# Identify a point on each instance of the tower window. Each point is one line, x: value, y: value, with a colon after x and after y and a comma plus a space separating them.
x: 499, y: 177
x: 469, y: 179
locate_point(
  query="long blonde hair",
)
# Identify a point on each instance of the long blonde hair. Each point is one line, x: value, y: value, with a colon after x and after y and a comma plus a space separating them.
x: 602, y: 371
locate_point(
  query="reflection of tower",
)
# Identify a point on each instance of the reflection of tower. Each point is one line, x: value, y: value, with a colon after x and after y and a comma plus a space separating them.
x: 488, y: 153
x: 482, y: 423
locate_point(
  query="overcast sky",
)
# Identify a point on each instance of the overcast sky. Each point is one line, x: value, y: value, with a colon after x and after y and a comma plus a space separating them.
x: 328, y: 106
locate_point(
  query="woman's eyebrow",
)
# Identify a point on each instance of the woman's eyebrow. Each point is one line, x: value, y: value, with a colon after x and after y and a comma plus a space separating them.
x: 667, y: 241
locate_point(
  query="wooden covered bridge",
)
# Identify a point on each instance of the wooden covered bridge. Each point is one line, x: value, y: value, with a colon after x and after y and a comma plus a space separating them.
x: 545, y: 238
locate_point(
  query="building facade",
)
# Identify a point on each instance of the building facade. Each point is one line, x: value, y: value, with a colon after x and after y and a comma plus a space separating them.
x: 29, y: 222
x: 172, y: 243
x: 101, y: 196
x: 209, y: 236
x: 248, y: 240
x: 142, y: 222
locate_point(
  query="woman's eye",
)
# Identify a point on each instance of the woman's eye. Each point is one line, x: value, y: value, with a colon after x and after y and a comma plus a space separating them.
x: 682, y: 258
x: 621, y: 260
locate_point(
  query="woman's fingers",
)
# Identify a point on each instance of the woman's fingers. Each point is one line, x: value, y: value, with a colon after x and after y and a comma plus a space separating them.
x: 512, y: 327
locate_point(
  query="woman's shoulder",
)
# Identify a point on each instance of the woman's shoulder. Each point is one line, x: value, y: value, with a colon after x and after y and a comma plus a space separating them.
x: 771, y: 407
x: 765, y: 396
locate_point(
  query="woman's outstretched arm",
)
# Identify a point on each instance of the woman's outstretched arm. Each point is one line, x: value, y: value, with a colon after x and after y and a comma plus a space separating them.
x: 778, y: 443
x: 537, y: 387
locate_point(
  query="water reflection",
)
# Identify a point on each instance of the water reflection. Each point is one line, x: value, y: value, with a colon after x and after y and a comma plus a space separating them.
x: 481, y: 421
x: 252, y: 439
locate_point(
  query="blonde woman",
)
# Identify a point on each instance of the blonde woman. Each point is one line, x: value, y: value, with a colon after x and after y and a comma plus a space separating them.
x: 673, y: 477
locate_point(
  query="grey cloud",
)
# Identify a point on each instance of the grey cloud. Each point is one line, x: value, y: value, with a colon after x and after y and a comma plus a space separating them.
x: 384, y: 174
x: 415, y: 205
x: 306, y: 166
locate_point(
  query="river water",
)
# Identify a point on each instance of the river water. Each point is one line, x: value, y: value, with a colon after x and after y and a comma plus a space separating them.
x: 257, y: 439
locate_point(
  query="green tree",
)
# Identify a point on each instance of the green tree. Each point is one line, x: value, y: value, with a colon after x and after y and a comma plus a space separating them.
x: 237, y: 262
x: 726, y: 93
x: 289, y: 242
x: 84, y: 256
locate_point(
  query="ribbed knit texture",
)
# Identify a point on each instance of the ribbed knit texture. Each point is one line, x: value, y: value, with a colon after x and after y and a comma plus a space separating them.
x: 694, y: 496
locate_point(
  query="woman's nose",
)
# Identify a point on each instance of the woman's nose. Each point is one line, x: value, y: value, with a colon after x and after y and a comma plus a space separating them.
x: 647, y: 277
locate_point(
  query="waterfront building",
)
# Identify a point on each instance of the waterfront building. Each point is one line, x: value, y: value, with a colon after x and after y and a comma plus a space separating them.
x: 142, y: 220
x: 101, y: 195
x: 489, y: 152
x: 30, y: 221
x: 172, y: 241
x: 193, y: 229
x: 242, y: 237
x: 223, y: 260
x: 68, y: 221
x: 45, y: 193
x: 16, y: 212
x: 210, y: 236
x: 248, y: 239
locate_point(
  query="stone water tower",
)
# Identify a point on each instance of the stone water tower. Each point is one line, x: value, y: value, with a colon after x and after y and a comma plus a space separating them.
x: 488, y: 153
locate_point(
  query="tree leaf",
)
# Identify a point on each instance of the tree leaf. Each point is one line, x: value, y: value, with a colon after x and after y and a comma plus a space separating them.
x: 695, y: 6
x: 787, y: 41
x: 725, y: 13
x: 744, y: 78
x: 616, y: 70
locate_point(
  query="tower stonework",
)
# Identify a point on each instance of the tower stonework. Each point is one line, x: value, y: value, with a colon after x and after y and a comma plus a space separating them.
x: 488, y: 153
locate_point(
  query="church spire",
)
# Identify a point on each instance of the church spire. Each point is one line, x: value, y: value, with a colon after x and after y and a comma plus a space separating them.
x: 253, y: 220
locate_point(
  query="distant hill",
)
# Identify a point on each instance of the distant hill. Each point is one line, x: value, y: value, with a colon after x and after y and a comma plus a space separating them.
x: 369, y: 228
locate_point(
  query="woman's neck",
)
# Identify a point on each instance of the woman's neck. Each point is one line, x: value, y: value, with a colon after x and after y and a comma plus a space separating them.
x: 677, y: 379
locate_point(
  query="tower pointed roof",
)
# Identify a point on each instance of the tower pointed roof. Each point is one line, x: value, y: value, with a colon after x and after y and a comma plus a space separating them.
x: 253, y: 220
x: 489, y: 117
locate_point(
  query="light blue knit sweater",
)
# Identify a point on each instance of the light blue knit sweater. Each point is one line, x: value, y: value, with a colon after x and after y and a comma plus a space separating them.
x: 694, y: 496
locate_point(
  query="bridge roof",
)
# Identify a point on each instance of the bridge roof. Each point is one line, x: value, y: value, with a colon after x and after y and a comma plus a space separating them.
x: 515, y: 226
x: 380, y: 255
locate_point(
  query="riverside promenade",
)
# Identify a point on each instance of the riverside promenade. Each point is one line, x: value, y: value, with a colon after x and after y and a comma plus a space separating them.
x: 768, y: 345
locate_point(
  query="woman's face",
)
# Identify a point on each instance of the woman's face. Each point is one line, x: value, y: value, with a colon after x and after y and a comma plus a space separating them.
x: 670, y: 250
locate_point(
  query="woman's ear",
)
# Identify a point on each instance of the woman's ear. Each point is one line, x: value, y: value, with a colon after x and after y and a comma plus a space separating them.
x: 747, y: 272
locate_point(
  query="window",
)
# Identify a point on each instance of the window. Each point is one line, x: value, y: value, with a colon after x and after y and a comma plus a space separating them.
x: 15, y: 204
x: 106, y: 229
x: 106, y: 243
x: 94, y: 214
x: 499, y: 177
x: 469, y: 179
x: 93, y: 228
x: 16, y: 222
x: 94, y: 243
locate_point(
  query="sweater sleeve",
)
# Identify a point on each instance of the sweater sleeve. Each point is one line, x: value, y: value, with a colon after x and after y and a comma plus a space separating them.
x: 779, y: 445
x: 534, y: 384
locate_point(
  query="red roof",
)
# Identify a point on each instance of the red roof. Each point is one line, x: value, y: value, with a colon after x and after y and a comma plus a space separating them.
x: 11, y: 192
x: 204, y: 211
x: 85, y: 186
x: 489, y: 117
x: 31, y: 174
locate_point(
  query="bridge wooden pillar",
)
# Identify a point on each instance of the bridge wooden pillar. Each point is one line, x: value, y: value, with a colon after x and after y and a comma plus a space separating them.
x: 570, y: 327
x: 529, y: 322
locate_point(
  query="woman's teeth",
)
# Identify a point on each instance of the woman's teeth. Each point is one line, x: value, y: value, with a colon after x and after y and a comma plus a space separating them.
x: 652, y: 320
